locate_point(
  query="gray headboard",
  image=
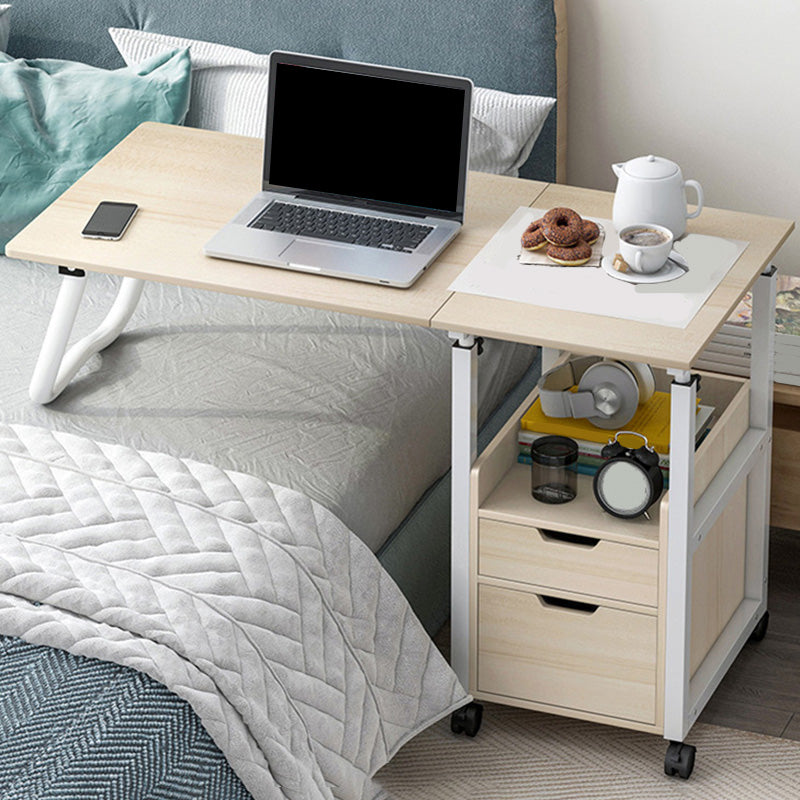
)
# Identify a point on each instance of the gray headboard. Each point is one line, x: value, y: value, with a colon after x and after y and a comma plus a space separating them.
x: 500, y: 44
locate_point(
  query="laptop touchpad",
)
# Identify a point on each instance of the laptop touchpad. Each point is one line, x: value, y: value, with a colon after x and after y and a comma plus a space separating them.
x: 313, y: 255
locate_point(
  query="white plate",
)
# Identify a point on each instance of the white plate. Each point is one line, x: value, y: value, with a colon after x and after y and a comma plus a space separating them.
x: 669, y: 272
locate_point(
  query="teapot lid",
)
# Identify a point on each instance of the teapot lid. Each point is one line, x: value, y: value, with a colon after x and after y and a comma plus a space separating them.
x: 650, y: 167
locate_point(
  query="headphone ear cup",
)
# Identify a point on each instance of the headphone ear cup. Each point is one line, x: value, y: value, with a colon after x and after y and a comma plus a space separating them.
x: 612, y: 383
x: 644, y: 378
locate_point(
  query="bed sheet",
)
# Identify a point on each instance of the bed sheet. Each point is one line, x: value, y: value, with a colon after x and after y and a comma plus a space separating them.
x: 353, y: 412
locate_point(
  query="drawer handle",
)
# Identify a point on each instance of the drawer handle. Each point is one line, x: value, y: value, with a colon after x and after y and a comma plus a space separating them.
x: 571, y: 605
x: 569, y: 538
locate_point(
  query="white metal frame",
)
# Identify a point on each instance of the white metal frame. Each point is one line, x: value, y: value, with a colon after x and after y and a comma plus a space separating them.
x: 688, y: 522
x: 57, y: 366
x: 685, y: 695
x: 464, y: 451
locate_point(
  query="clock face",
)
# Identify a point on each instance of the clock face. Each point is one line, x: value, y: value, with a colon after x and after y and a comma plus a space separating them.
x: 624, y: 488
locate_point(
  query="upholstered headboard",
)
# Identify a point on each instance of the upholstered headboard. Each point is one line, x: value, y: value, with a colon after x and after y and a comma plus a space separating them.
x: 500, y: 44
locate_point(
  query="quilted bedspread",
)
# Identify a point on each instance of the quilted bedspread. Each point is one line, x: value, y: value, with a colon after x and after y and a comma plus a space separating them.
x: 256, y: 605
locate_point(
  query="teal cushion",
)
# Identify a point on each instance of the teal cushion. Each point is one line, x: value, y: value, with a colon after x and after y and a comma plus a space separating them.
x: 58, y: 118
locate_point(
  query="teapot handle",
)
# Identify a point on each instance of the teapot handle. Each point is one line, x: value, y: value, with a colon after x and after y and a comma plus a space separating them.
x: 699, y: 189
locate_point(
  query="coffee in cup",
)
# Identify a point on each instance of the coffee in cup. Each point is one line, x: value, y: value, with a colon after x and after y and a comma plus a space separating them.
x: 645, y: 246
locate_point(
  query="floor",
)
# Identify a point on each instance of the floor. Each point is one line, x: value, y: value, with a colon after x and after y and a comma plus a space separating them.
x: 761, y: 692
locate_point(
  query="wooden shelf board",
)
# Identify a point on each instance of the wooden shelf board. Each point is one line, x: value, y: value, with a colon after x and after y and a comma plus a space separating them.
x: 511, y: 501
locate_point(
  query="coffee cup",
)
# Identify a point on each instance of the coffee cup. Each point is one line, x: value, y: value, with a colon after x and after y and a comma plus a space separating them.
x: 645, y: 246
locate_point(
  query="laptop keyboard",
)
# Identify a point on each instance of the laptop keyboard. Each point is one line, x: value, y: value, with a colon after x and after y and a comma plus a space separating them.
x: 339, y: 226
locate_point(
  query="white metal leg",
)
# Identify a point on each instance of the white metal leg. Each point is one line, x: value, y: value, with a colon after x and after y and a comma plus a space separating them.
x: 762, y: 363
x: 679, y: 562
x: 464, y: 448
x: 56, y: 366
x: 550, y: 356
x: 685, y: 695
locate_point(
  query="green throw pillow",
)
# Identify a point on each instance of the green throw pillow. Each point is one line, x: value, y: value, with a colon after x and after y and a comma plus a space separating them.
x: 58, y: 118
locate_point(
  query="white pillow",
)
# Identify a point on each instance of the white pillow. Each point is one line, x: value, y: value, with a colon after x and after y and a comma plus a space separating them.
x: 504, y: 129
x: 229, y: 85
x: 5, y: 23
x: 229, y: 93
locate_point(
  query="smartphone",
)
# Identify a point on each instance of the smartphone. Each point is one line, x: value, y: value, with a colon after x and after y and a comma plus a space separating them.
x: 110, y: 220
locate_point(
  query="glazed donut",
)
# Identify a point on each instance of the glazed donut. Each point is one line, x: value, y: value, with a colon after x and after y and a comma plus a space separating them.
x: 562, y: 227
x: 590, y: 231
x: 533, y: 238
x: 573, y: 256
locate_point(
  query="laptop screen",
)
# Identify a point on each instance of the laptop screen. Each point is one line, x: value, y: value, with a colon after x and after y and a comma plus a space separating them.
x: 370, y: 133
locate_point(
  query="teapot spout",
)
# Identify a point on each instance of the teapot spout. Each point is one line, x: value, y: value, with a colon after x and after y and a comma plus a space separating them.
x: 617, y: 168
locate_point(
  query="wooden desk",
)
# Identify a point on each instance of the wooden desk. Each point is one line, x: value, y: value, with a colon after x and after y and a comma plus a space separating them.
x: 658, y: 345
x: 188, y: 183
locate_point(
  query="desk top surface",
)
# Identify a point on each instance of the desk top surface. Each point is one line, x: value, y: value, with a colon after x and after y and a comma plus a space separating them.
x: 188, y: 183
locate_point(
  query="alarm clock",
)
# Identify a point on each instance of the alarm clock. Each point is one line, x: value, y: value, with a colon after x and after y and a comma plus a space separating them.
x: 630, y: 481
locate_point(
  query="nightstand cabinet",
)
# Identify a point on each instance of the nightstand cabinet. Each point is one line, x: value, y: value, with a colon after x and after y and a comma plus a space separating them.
x: 567, y: 601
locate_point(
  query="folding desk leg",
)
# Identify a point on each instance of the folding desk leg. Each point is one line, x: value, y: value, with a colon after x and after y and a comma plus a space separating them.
x: 679, y: 552
x: 464, y: 448
x: 56, y: 366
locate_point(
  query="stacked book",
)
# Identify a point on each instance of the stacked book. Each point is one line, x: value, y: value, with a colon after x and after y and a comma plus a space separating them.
x: 651, y: 420
x: 729, y: 351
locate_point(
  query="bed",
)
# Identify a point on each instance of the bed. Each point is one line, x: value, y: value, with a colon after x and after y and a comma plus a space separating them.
x: 281, y: 393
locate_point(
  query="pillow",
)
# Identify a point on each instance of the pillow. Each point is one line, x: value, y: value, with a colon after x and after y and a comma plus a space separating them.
x: 229, y: 93
x: 5, y: 22
x: 229, y: 85
x: 504, y: 129
x: 58, y: 118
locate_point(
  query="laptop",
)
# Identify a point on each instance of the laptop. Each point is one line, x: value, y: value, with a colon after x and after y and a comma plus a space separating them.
x: 364, y: 173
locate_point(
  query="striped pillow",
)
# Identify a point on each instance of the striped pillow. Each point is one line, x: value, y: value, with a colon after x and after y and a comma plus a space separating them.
x: 229, y: 93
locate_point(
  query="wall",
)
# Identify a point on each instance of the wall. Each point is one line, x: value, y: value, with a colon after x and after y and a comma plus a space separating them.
x: 712, y: 84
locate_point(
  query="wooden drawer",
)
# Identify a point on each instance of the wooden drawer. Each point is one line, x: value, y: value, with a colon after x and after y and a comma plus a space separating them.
x: 596, y: 659
x: 565, y: 561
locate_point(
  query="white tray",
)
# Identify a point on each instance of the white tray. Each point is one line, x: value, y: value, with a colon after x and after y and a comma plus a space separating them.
x: 496, y: 272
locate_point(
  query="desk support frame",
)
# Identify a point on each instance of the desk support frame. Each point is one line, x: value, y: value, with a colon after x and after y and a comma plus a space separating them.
x: 685, y: 695
x: 57, y: 366
x: 464, y: 451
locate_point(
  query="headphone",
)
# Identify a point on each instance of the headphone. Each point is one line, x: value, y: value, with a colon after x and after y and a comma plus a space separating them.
x: 609, y: 391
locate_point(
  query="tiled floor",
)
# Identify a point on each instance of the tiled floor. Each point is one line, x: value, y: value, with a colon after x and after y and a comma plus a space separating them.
x: 761, y: 692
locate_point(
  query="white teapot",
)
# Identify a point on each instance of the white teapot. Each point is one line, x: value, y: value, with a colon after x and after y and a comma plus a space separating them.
x: 652, y: 189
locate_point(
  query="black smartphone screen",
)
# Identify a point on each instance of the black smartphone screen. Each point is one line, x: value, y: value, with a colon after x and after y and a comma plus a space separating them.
x: 110, y: 220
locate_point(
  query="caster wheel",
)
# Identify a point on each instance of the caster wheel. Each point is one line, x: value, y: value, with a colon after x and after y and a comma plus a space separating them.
x: 679, y: 759
x: 467, y: 719
x: 760, y: 631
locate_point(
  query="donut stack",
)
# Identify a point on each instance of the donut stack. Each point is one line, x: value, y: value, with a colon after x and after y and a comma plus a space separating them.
x: 567, y: 238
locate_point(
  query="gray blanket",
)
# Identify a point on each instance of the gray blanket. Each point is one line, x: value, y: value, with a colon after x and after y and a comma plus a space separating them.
x: 299, y: 654
x: 353, y: 412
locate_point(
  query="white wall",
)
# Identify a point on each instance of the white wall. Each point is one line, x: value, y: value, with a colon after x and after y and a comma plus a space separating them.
x: 712, y: 84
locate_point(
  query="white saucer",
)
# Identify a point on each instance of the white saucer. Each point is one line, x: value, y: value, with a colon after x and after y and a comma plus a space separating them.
x: 669, y: 272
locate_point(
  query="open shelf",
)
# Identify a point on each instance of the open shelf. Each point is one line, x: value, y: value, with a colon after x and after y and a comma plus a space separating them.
x: 511, y: 501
